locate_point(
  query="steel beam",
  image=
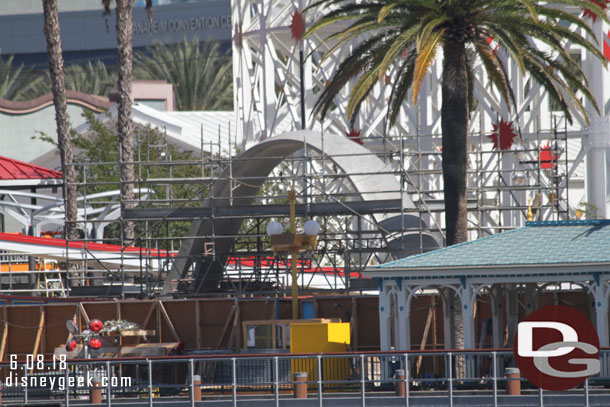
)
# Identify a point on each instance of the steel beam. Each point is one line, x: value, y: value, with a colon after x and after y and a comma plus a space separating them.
x: 274, y: 210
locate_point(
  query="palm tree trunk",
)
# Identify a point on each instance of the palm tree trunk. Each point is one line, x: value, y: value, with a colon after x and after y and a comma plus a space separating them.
x: 64, y: 142
x: 454, y: 123
x: 124, y: 29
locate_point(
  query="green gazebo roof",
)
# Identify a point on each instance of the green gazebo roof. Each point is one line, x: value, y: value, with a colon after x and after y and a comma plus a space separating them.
x: 537, y: 243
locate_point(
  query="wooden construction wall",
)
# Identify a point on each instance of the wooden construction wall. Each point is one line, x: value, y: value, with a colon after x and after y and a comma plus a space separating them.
x: 198, y: 324
x: 216, y: 323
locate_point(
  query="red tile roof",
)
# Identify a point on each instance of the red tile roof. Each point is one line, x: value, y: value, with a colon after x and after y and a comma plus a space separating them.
x: 18, y: 170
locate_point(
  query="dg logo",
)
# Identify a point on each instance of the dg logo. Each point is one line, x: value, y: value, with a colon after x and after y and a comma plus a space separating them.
x: 556, y: 348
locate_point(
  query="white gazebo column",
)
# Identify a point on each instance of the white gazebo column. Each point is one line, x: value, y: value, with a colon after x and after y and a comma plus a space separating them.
x: 600, y: 295
x: 404, y: 315
x: 447, y: 295
x: 531, y: 298
x: 498, y: 311
x: 467, y: 297
x: 512, y: 312
x: 384, y: 317
x: 391, y: 325
x: 599, y: 290
x: 497, y: 316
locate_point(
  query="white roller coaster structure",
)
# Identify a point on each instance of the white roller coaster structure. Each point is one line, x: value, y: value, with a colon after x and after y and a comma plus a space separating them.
x: 277, y: 78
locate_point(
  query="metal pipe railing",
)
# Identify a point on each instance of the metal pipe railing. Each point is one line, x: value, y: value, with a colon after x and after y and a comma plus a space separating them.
x: 266, y: 377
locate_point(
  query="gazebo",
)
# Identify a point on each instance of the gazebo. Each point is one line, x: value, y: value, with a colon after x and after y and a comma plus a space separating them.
x: 525, y: 261
x: 16, y: 174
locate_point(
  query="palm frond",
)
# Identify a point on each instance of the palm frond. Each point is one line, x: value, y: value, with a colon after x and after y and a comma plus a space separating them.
x: 427, y: 27
x: 348, y: 69
x: 398, y: 45
x: 354, y: 11
x: 493, y: 68
x: 530, y: 7
x: 416, y: 28
x: 509, y: 43
x: 16, y: 83
x: 347, y: 35
x: 425, y: 58
x: 199, y: 72
x: 385, y: 10
x: 360, y: 90
x: 401, y: 87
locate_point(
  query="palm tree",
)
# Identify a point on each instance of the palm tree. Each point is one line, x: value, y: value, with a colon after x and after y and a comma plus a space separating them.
x: 56, y: 64
x: 90, y: 78
x: 124, y: 30
x: 15, y: 83
x: 418, y: 29
x: 409, y: 33
x: 199, y: 72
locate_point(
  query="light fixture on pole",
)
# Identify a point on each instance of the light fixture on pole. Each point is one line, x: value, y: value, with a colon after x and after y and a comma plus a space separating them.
x: 519, y: 178
x: 274, y: 228
x: 89, y: 337
x: 293, y: 243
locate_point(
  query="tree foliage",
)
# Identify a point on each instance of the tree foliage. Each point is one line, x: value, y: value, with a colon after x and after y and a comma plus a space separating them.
x: 199, y: 72
x: 410, y: 33
x: 17, y: 83
x: 98, y: 150
x: 92, y: 78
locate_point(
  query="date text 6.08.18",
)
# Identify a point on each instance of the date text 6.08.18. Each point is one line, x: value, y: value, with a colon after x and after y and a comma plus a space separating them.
x: 36, y: 362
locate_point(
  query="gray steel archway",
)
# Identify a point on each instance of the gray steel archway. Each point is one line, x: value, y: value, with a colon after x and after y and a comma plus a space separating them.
x: 248, y: 173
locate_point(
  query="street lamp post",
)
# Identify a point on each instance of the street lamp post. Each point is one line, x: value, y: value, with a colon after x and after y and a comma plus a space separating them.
x: 293, y: 243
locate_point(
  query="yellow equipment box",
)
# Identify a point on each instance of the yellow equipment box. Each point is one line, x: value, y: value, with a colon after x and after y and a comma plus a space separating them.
x: 321, y: 338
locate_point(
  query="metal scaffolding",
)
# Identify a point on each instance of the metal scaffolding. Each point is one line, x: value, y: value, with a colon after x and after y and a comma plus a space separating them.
x: 231, y: 199
x: 377, y: 192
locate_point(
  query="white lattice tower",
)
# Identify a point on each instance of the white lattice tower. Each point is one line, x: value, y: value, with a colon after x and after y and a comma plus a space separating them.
x: 267, y: 80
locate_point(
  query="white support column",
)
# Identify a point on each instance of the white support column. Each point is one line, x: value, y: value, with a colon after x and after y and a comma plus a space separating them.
x: 308, y: 70
x: 384, y: 317
x: 600, y: 292
x: 242, y: 95
x: 600, y: 295
x: 446, y: 294
x: 512, y: 312
x: 267, y: 72
x: 497, y: 317
x: 391, y: 327
x: 597, y: 187
x: 404, y: 314
x: 498, y: 312
x: 597, y: 178
x: 506, y: 166
x: 531, y: 298
x: 467, y: 297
